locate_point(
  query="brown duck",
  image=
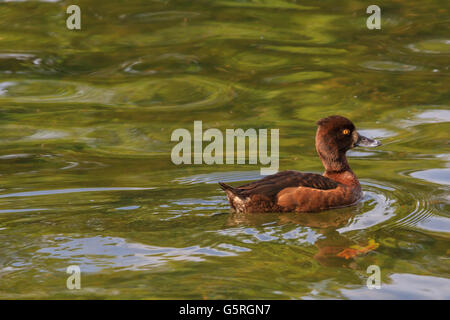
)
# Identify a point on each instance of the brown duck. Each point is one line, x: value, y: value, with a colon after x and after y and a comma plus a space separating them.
x: 293, y: 191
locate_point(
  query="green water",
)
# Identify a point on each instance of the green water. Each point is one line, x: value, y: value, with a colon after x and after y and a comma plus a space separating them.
x: 85, y: 169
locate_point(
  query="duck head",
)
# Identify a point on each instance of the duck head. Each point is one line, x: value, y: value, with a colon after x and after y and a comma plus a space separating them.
x: 334, y: 137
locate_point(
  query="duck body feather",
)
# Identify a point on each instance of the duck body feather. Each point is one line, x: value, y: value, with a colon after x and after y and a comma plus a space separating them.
x: 291, y: 191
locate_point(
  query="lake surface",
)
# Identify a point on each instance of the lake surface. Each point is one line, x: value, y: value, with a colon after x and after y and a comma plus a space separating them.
x: 87, y: 179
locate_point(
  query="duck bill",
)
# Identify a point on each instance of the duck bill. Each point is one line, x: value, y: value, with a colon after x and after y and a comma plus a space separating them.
x: 366, y: 142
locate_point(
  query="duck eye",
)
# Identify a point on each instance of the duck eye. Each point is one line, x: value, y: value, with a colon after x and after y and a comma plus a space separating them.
x: 346, y: 131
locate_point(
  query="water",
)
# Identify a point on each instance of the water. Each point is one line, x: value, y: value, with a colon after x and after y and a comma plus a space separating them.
x: 86, y: 177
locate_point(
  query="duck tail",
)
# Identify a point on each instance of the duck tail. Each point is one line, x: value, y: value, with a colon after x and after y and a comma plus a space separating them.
x: 236, y: 200
x: 228, y: 189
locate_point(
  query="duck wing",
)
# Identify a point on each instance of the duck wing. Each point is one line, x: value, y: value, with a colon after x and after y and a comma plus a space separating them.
x: 271, y: 185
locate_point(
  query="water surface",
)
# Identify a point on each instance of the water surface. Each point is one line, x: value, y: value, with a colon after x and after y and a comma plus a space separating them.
x: 85, y: 170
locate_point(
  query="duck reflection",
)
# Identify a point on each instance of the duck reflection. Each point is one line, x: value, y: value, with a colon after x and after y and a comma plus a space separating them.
x: 334, y: 248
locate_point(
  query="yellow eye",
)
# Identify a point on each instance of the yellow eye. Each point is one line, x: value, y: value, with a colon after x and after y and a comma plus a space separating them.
x: 346, y: 131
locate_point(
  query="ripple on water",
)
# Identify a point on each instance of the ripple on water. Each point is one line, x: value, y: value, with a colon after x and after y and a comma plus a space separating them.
x: 179, y: 208
x: 389, y: 66
x: 128, y: 208
x: 51, y: 91
x: 298, y: 77
x: 439, y: 176
x: 428, y: 116
x: 376, y: 133
x: 23, y: 210
x: 252, y: 61
x: 413, y: 210
x: 215, y: 177
x: 172, y: 93
x: 148, y: 17
x: 187, y: 92
x: 434, y: 46
x: 306, y: 50
x: 24, y: 133
x: 165, y: 63
x: 276, y: 4
x: 380, y: 210
x: 4, y: 87
x: 405, y: 286
x: 16, y: 156
x: 435, y: 224
x: 94, y: 254
x: 63, y: 191
x: 37, y: 162
x: 251, y: 235
x: 435, y: 115
x: 23, y: 63
x: 47, y: 135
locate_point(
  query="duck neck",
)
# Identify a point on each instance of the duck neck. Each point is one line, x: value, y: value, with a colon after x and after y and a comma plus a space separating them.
x: 338, y: 169
x: 345, y: 177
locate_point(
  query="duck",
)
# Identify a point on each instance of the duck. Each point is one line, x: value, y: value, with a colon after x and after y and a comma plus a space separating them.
x: 294, y: 191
